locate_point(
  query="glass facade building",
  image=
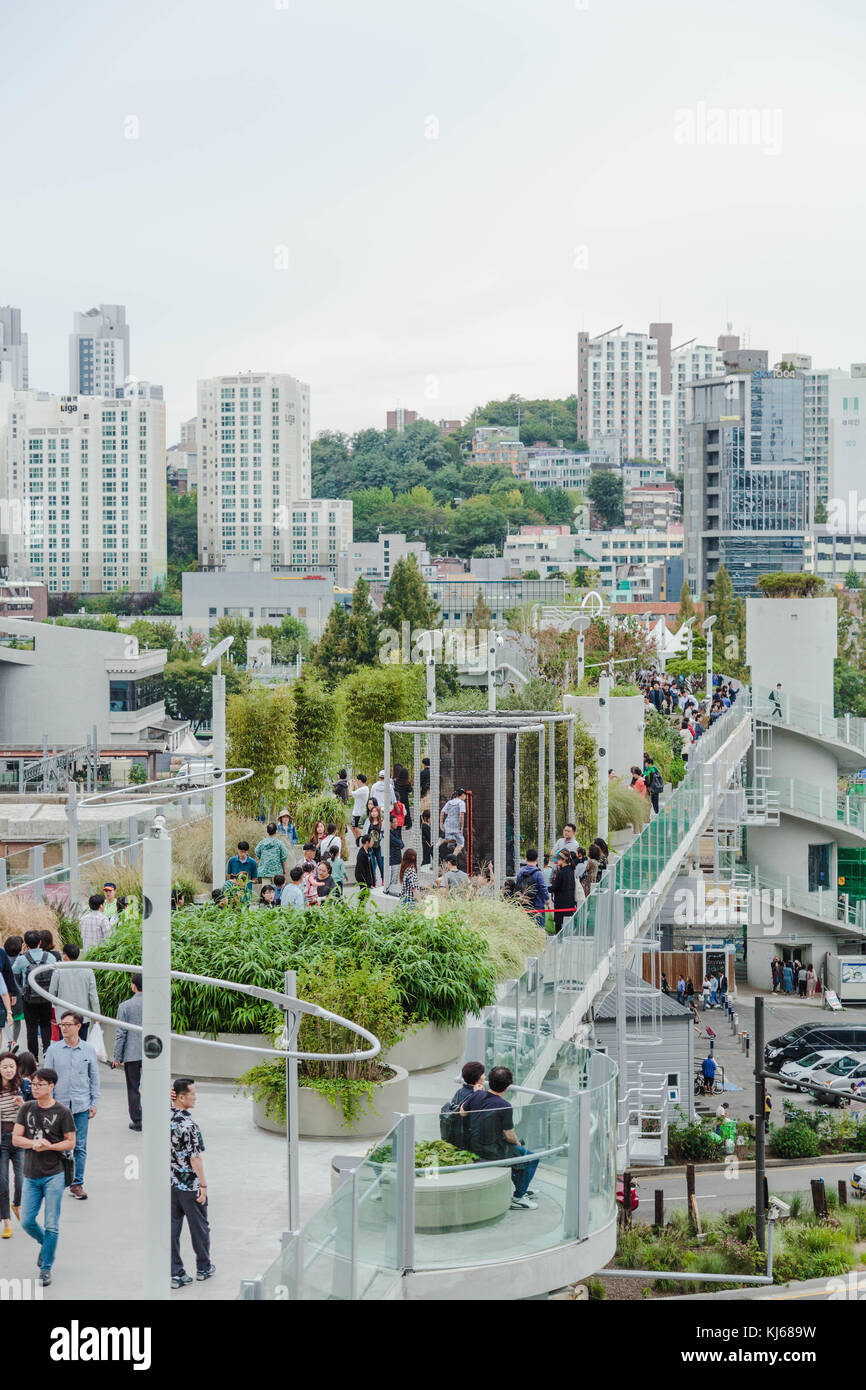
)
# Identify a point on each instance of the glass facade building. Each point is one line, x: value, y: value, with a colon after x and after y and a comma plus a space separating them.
x: 748, y: 489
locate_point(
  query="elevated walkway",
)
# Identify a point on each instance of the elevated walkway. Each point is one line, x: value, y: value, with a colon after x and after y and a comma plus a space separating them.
x: 846, y: 734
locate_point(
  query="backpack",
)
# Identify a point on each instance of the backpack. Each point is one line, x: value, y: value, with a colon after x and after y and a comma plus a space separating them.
x: 453, y: 1127
x: 656, y: 782
x: 525, y: 882
x: 28, y: 993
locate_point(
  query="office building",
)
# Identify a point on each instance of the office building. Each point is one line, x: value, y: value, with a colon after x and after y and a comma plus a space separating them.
x: 375, y: 560
x: 456, y: 597
x: 748, y: 488
x: 254, y: 465
x: 260, y: 596
x: 635, y: 386
x: 545, y: 549
x: 82, y: 481
x: 99, y: 351
x: 13, y: 349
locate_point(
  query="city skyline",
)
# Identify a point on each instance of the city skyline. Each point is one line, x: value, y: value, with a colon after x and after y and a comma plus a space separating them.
x: 437, y: 203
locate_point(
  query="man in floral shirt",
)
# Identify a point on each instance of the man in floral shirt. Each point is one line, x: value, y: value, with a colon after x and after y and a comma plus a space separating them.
x: 188, y: 1186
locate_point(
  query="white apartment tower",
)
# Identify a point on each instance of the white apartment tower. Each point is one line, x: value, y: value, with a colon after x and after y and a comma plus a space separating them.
x: 13, y: 349
x: 634, y: 386
x: 82, y: 488
x: 254, y: 467
x: 99, y: 351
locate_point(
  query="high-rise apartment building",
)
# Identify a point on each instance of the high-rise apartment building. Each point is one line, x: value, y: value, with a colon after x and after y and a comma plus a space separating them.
x: 13, y: 349
x: 399, y: 419
x: 835, y: 431
x: 748, y: 488
x: 635, y: 385
x: 82, y: 487
x: 99, y: 351
x: 254, y: 465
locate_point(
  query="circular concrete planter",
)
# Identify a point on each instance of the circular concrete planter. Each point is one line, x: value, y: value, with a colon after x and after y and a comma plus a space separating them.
x: 449, y: 1201
x: 428, y: 1049
x: 620, y: 839
x: 318, y: 1119
x: 190, y: 1056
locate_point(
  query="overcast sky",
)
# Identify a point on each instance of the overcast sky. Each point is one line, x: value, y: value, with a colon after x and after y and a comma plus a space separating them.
x: 574, y: 179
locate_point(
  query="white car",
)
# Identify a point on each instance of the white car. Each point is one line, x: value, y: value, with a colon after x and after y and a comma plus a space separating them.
x: 838, y: 1070
x: 793, y: 1073
x: 858, y: 1180
x: 845, y: 1081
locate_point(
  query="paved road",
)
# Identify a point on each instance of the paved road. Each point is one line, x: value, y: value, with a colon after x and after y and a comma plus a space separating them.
x: 735, y: 1190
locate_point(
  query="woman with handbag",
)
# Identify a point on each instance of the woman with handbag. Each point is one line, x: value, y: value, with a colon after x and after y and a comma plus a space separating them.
x: 374, y: 828
x: 11, y: 1101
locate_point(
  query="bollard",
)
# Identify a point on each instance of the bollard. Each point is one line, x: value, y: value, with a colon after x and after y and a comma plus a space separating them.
x: 748, y: 1043
x: 842, y: 1188
x: 712, y: 1045
x: 735, y: 1018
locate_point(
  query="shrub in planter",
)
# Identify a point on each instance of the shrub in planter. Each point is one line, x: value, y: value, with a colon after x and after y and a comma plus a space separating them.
x: 626, y: 807
x: 368, y: 996
x: 794, y: 1141
x: 429, y: 1153
x: 441, y: 968
x: 692, y: 1143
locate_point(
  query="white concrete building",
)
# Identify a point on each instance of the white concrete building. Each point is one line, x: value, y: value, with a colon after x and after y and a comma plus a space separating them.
x: 61, y: 681
x: 834, y: 411
x: 83, y: 483
x: 254, y: 463
x: 260, y: 596
x: 548, y: 466
x: 321, y: 534
x: 543, y: 548
x: 375, y: 560
x: 621, y: 547
x: 13, y: 349
x: 635, y: 385
x: 796, y: 762
x: 99, y: 351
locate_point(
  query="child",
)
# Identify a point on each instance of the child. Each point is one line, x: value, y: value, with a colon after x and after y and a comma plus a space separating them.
x: 309, y: 883
x: 279, y: 885
x: 338, y: 870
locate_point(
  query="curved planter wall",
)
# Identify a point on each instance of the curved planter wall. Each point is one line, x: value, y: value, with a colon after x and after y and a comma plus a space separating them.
x: 191, y: 1057
x: 429, y: 1048
x: 318, y: 1119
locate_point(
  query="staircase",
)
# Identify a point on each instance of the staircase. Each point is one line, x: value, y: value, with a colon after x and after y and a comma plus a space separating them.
x: 740, y: 972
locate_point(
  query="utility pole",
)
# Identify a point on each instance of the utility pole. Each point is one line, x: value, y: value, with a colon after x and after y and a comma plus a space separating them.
x: 708, y: 629
x: 760, y: 1126
x: 603, y: 751
x: 156, y: 1056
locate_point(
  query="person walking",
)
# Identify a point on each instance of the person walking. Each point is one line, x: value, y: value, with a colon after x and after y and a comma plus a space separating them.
x: 11, y: 1101
x: 452, y: 818
x: 95, y: 926
x: 681, y: 990
x: 531, y: 886
x: 654, y: 782
x: 426, y: 839
x: 188, y: 1186
x: 127, y: 1050
x: 811, y: 982
x: 395, y: 849
x: 409, y: 878
x: 271, y: 853
x: 45, y: 1130
x: 802, y: 980
x: 776, y: 702
x: 375, y: 830
x: 37, y: 1011
x: 563, y: 891
x: 493, y: 1136
x: 12, y: 948
x: 77, y: 1087
x: 341, y: 786
x: 77, y: 988
x: 365, y: 869
x: 360, y: 798
x: 111, y: 909
x: 403, y: 791
x: 593, y: 867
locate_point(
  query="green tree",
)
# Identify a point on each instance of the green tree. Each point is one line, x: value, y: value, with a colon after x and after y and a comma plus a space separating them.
x: 181, y: 526
x: 821, y: 512
x: 687, y: 607
x: 605, y: 494
x: 316, y: 734
x: 532, y: 574
x: 154, y: 635
x: 407, y: 599
x: 364, y: 624
x: 481, y: 615
x: 852, y: 580
x: 287, y: 640
x: 332, y: 655
x: 188, y: 689
x: 259, y: 733
x: 241, y: 629
x: 372, y: 697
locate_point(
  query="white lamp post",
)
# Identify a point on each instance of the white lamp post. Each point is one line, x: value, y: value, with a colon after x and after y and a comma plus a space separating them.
x: 218, y: 753
x: 708, y: 629
x: 156, y: 1056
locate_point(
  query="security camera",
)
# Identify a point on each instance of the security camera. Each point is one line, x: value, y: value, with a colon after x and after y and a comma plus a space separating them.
x: 500, y: 640
x: 778, y: 1208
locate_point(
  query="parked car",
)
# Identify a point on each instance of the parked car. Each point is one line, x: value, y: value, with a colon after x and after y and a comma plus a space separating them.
x: 197, y: 772
x: 840, y: 1070
x: 845, y: 1079
x: 793, y: 1073
x: 858, y: 1180
x: 813, y: 1037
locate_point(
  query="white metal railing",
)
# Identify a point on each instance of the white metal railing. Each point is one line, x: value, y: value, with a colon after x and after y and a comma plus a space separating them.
x: 823, y: 802
x: 794, y: 893
x: 810, y: 717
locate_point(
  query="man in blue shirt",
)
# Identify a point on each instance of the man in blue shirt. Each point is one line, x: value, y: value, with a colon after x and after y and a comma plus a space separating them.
x: 708, y: 1071
x: 77, y: 1088
x: 242, y: 863
x: 531, y: 885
